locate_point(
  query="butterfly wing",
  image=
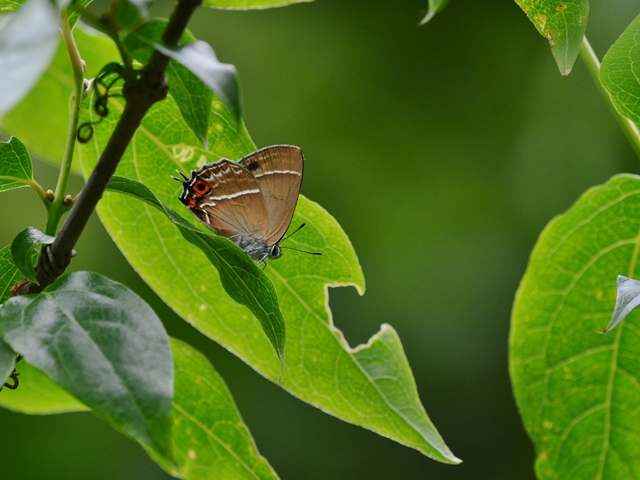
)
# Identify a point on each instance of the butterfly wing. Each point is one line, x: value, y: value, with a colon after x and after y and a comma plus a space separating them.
x: 278, y: 170
x: 228, y: 199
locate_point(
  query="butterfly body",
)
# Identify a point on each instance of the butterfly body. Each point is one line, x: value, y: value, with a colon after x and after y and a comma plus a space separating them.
x: 251, y: 201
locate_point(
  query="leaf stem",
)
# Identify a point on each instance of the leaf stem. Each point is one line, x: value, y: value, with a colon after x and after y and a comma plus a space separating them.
x: 629, y: 128
x: 57, y: 207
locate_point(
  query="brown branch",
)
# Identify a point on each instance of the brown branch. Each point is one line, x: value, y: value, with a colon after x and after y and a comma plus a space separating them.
x: 149, y: 88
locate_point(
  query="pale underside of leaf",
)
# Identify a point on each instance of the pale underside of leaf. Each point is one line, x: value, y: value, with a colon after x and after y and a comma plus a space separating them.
x: 31, y: 32
x: 627, y: 300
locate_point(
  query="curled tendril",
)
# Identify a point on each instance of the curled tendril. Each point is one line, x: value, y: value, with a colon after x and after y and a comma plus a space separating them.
x: 14, y: 377
x: 102, y: 91
x: 85, y: 132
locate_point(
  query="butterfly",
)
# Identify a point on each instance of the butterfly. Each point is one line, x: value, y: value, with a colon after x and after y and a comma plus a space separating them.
x: 251, y: 201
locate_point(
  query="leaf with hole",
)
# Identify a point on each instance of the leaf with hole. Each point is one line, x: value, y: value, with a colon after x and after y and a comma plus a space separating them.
x: 370, y: 385
x: 103, y: 344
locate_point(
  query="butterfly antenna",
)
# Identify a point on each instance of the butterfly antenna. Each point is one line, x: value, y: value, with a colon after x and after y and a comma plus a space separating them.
x: 303, y: 251
x: 293, y: 233
x: 297, y: 249
x: 181, y: 174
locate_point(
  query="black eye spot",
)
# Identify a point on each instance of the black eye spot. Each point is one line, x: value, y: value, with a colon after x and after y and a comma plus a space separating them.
x: 252, y: 166
x: 200, y: 187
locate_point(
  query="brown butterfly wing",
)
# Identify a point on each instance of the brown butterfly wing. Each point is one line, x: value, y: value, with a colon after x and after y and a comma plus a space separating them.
x: 278, y: 170
x: 234, y: 204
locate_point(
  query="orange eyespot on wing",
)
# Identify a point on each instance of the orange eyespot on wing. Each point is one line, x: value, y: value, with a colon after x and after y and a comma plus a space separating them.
x: 200, y: 188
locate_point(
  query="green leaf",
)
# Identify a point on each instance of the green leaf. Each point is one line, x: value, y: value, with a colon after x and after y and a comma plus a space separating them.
x: 240, y: 276
x: 129, y: 13
x: 577, y: 390
x: 103, y: 344
x: 320, y: 368
x: 619, y: 72
x: 28, y: 41
x: 25, y: 249
x: 562, y: 23
x: 15, y: 165
x: 199, y: 58
x: 40, y: 120
x: 9, y: 274
x: 435, y: 6
x: 37, y: 395
x: 74, y: 9
x: 627, y: 299
x: 8, y: 6
x: 210, y: 440
x: 250, y: 4
x: 191, y: 95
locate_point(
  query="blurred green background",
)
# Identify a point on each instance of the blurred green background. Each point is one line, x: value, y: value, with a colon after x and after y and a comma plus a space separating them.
x: 443, y: 151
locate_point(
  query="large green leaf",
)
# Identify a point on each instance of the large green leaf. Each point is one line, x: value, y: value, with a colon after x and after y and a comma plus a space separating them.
x: 619, y: 72
x: 250, y: 4
x: 578, y: 391
x: 371, y: 386
x: 562, y: 23
x: 40, y: 120
x: 102, y: 343
x: 210, y: 440
x: 240, y: 276
x: 28, y: 40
